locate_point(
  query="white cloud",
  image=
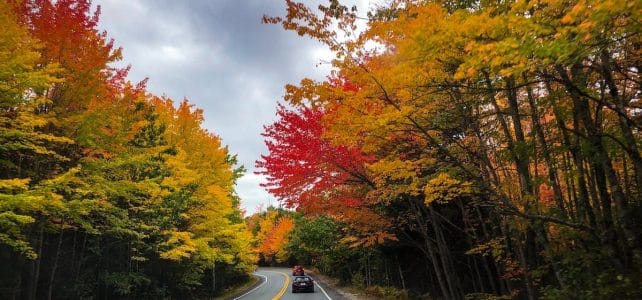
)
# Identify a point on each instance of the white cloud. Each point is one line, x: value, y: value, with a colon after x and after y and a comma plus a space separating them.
x: 253, y: 198
x: 173, y: 53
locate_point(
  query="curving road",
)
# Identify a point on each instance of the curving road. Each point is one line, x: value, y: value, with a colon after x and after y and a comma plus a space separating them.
x: 276, y: 283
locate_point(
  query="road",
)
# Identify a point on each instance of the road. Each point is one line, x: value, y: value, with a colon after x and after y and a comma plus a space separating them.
x: 276, y: 283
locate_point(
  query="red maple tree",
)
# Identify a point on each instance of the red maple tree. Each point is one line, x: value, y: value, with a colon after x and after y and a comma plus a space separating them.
x: 68, y: 30
x: 304, y: 169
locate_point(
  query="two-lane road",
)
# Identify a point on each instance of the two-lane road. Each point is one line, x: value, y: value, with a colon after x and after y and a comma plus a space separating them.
x: 277, y: 284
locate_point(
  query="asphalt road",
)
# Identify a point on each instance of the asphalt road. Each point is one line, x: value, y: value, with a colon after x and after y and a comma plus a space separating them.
x: 276, y: 283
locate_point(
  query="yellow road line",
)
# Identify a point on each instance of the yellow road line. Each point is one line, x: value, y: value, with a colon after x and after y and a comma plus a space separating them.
x: 285, y: 286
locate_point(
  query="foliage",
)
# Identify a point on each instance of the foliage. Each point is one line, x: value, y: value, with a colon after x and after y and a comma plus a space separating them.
x: 380, y: 292
x: 106, y: 191
x: 499, y: 140
x: 271, y: 231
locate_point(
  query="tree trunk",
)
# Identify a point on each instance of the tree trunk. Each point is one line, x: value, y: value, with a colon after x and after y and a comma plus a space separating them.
x: 625, y: 123
x: 423, y: 228
x: 54, y: 266
x: 450, y: 273
x: 81, y: 256
x: 577, y: 156
x: 214, y: 277
x: 489, y: 274
x: 517, y: 248
x: 610, y: 234
x: 584, y: 207
x: 595, y: 198
x: 403, y: 281
x: 603, y: 161
x: 521, y: 159
x: 35, y: 265
x: 17, y: 285
x: 550, y: 165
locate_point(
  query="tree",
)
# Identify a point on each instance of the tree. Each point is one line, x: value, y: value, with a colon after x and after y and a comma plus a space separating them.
x: 69, y: 32
x: 119, y: 190
x: 303, y: 167
x: 509, y: 126
x: 27, y: 154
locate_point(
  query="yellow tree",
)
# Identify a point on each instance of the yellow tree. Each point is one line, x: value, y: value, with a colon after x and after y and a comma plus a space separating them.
x: 202, y: 165
x: 27, y: 154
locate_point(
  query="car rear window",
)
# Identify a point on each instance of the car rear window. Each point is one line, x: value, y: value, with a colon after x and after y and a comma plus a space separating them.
x: 302, y: 279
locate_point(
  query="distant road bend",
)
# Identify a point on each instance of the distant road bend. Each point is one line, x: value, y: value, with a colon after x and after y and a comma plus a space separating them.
x: 277, y: 284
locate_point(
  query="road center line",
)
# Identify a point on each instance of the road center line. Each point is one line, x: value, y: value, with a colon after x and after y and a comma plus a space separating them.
x: 285, y: 286
x: 255, y: 288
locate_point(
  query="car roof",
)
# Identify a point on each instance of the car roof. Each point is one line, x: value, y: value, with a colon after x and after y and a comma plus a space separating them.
x: 304, y: 276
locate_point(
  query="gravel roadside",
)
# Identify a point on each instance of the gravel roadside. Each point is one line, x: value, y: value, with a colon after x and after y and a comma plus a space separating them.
x: 345, y: 291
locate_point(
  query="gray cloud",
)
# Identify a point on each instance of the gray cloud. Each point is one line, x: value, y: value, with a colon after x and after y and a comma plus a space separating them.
x: 219, y: 56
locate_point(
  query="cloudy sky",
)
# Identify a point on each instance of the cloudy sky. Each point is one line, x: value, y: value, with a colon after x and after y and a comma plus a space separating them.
x: 217, y: 54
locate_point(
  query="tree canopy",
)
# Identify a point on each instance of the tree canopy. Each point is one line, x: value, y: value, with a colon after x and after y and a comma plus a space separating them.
x: 106, y: 190
x: 499, y: 140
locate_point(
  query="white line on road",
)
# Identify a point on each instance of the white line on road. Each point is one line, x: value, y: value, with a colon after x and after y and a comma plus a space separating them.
x: 326, y: 294
x: 254, y: 289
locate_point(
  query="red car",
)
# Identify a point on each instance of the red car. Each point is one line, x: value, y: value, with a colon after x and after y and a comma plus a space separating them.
x: 298, y: 271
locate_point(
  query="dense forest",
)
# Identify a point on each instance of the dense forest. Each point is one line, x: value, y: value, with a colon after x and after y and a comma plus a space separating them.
x: 106, y: 191
x: 465, y: 149
x: 459, y: 149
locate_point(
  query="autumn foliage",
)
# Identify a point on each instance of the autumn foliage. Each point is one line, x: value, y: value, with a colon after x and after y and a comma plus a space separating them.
x: 273, y: 238
x: 305, y: 168
x: 106, y: 191
x: 498, y: 142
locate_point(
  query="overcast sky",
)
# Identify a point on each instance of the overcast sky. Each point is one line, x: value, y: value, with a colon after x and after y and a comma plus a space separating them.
x: 217, y: 54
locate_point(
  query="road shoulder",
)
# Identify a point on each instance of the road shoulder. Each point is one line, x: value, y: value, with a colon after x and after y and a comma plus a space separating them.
x: 334, y: 286
x: 236, y: 292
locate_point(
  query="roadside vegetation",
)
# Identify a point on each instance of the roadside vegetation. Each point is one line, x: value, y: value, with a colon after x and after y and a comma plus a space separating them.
x: 467, y: 149
x: 106, y: 191
x: 459, y: 149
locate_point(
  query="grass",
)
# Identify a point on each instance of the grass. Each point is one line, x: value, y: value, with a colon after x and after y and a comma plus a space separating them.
x: 234, y: 291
